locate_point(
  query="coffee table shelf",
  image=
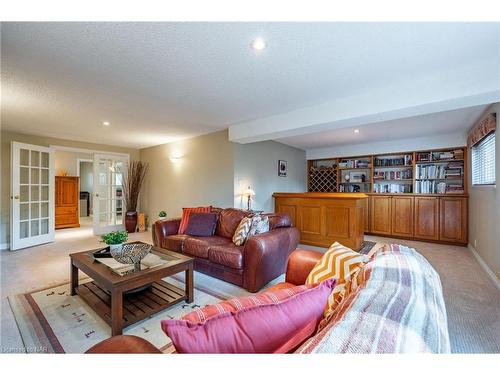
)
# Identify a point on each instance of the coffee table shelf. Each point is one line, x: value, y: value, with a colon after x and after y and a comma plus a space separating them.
x: 136, y: 306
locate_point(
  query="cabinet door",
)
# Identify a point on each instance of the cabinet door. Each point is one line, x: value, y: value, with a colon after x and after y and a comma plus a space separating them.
x: 427, y: 218
x: 381, y: 215
x: 402, y: 216
x: 69, y: 192
x: 453, y: 219
x: 366, y: 214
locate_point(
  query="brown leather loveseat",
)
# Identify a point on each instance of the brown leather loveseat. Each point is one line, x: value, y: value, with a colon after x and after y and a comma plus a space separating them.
x: 261, y: 259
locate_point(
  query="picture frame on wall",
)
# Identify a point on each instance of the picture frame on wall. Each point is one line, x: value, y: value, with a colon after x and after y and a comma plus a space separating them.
x: 282, y: 168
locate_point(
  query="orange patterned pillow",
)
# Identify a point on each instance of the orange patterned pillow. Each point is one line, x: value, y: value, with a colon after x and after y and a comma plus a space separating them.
x: 186, y: 212
x: 341, y: 263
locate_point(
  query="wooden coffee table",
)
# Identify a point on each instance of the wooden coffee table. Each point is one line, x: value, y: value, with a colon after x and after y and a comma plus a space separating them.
x: 105, y: 293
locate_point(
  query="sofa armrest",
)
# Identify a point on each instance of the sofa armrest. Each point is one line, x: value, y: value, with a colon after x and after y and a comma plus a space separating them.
x: 265, y: 256
x: 300, y: 264
x: 124, y: 344
x: 164, y: 228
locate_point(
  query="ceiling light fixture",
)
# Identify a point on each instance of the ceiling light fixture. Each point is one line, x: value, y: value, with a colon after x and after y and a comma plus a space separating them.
x: 259, y: 44
x: 106, y: 123
x: 356, y: 131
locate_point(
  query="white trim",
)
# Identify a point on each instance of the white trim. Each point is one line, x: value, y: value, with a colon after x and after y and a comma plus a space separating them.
x: 485, y: 267
x: 4, y: 246
x: 86, y: 150
x: 78, y: 161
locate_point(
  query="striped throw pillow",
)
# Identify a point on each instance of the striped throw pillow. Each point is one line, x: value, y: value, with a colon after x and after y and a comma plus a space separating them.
x: 241, y: 233
x: 186, y: 212
x: 341, y: 263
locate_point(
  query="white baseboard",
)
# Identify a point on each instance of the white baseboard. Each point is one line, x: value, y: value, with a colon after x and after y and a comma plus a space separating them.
x: 485, y: 267
x: 4, y: 246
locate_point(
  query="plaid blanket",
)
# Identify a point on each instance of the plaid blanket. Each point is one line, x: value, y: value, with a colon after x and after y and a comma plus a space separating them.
x: 398, y: 308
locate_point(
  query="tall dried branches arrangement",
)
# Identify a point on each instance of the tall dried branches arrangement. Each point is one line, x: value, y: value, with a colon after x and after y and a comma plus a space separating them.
x: 132, y: 183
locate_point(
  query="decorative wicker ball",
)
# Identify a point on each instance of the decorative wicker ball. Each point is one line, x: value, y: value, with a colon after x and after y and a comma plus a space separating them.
x: 130, y: 253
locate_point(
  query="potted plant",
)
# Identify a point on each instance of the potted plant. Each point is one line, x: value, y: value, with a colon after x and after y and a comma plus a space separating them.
x: 115, y: 240
x: 162, y: 215
x: 132, y: 184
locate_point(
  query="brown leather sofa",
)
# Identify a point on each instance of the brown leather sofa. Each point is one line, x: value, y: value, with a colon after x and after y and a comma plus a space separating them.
x: 261, y: 259
x: 300, y: 263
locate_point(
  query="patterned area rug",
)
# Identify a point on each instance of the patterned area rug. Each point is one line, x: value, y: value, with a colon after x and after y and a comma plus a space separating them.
x: 52, y: 321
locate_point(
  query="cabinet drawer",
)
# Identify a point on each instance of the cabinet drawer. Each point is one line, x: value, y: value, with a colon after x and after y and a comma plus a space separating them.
x: 66, y: 211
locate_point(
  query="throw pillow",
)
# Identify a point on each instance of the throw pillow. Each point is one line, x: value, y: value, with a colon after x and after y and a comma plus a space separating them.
x: 274, y: 322
x: 186, y: 212
x: 338, y: 262
x: 241, y: 233
x: 260, y: 224
x: 201, y: 224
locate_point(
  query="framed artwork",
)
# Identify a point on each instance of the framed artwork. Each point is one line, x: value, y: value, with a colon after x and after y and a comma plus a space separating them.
x: 282, y: 168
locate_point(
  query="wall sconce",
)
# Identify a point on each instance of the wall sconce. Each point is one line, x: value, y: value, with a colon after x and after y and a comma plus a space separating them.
x: 175, y: 159
x: 249, y: 193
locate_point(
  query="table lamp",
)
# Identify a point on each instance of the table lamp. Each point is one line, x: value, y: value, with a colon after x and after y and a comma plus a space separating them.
x: 249, y: 193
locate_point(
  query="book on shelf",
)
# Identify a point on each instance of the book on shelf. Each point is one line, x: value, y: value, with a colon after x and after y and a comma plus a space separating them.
x: 355, y: 163
x: 393, y: 175
x: 403, y: 161
x: 392, y: 188
x: 438, y: 187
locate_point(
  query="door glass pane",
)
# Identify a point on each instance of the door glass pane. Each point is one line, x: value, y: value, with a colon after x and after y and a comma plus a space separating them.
x: 44, y: 226
x: 119, y: 219
x: 45, y: 159
x: 24, y: 175
x: 24, y: 157
x: 104, y: 219
x: 44, y: 176
x: 35, y: 176
x: 104, y: 205
x: 24, y: 211
x: 24, y: 231
x: 44, y: 196
x: 44, y: 209
x: 35, y: 210
x: 35, y: 158
x: 35, y: 193
x: 25, y: 193
x: 34, y: 227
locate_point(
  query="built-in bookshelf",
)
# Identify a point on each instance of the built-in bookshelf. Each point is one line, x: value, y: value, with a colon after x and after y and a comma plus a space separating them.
x: 441, y: 172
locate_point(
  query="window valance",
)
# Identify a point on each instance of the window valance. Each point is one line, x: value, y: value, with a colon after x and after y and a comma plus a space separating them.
x: 482, y: 129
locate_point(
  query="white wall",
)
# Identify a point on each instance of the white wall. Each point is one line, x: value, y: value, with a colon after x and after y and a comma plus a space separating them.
x: 484, y: 212
x: 256, y: 165
x: 87, y: 176
x: 400, y: 145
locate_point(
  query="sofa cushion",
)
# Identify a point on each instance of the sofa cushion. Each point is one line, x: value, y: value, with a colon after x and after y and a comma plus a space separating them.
x: 186, y: 212
x: 228, y: 255
x: 199, y: 246
x: 341, y: 263
x: 174, y: 242
x: 229, y: 218
x: 201, y: 224
x: 264, y: 323
x: 279, y: 221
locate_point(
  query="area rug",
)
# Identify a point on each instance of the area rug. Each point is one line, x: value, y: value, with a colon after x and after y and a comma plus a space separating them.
x: 52, y: 321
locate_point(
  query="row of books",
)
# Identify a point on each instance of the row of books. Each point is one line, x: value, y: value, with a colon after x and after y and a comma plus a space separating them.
x: 354, y: 163
x: 393, y: 175
x: 440, y: 155
x: 451, y: 170
x: 434, y: 187
x: 392, y: 188
x: 349, y: 188
x: 406, y: 160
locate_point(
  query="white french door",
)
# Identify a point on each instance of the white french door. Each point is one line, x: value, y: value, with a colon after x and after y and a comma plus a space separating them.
x: 108, y: 204
x: 32, y: 195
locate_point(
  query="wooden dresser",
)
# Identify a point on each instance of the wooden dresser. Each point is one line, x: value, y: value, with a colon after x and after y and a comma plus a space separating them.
x: 67, y: 196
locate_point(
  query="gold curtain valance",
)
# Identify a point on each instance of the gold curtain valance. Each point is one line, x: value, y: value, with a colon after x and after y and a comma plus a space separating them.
x: 482, y: 129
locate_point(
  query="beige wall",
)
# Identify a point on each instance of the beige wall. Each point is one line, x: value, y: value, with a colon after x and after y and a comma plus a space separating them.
x: 203, y: 176
x: 6, y: 138
x: 66, y: 162
x: 484, y: 212
x: 256, y: 165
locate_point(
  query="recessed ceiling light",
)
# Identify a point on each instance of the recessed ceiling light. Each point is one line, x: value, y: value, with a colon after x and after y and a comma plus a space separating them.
x: 106, y: 123
x: 356, y: 131
x: 259, y: 44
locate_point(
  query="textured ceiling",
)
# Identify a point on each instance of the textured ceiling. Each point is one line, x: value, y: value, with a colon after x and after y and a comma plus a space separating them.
x: 159, y: 82
x: 426, y: 125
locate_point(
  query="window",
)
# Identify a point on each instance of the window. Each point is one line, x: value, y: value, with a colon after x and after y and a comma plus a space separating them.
x: 483, y: 161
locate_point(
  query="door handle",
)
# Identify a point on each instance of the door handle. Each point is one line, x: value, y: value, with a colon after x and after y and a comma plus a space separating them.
x: 16, y: 197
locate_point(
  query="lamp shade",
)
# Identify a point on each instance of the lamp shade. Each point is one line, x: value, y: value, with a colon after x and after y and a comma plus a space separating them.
x: 249, y: 192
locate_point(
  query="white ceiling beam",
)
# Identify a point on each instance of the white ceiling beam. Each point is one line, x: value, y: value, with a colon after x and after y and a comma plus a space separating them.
x: 460, y: 88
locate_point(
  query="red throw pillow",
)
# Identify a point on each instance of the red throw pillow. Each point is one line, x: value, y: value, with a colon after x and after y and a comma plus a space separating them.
x: 273, y: 322
x: 186, y: 212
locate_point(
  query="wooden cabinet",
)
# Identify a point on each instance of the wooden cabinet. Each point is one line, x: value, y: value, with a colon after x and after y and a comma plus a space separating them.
x: 453, y: 219
x: 427, y: 218
x: 381, y: 213
x: 66, y: 201
x: 402, y: 216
